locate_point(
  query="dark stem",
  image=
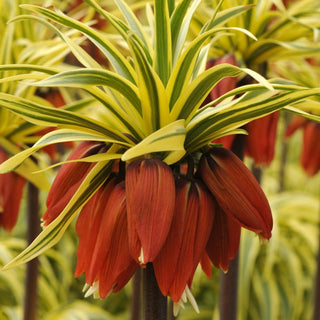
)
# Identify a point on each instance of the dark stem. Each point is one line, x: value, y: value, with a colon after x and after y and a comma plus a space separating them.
x: 257, y: 172
x: 228, y: 294
x: 31, y: 283
x: 154, y: 303
x: 316, y: 308
x: 284, y: 155
x: 136, y: 296
x: 170, y: 311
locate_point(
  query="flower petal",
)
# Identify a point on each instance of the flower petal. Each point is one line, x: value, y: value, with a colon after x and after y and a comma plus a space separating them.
x: 224, y: 240
x: 150, y: 193
x: 69, y: 179
x: 11, y: 189
x: 87, y: 228
x: 236, y: 190
x: 117, y: 266
x: 310, y: 155
x: 185, y: 245
x: 103, y: 252
x: 260, y: 142
x: 227, y: 83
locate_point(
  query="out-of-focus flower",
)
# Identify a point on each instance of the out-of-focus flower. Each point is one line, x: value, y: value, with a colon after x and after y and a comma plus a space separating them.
x: 11, y: 189
x: 226, y: 84
x: 261, y: 139
x: 222, y: 87
x: 55, y: 97
x: 87, y: 45
x: 310, y: 154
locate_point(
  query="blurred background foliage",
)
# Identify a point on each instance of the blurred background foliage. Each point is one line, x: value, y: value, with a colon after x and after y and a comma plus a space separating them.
x: 276, y: 280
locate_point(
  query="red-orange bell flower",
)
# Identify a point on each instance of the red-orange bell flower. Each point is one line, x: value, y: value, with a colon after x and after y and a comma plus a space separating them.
x: 261, y: 139
x: 236, y: 190
x: 310, y: 154
x: 192, y: 222
x: 11, y: 189
x: 224, y: 240
x: 69, y: 179
x: 55, y: 97
x: 103, y: 252
x: 150, y: 190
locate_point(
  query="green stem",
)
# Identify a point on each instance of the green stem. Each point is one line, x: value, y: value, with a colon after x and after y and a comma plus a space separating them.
x: 154, y: 303
x: 31, y: 283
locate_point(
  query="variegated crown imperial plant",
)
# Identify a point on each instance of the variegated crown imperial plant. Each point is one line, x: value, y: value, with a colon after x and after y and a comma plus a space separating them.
x: 150, y: 186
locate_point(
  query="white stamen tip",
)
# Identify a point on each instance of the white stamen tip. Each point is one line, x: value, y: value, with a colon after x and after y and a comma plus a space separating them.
x: 192, y: 299
x: 180, y: 304
x: 92, y: 290
x: 141, y: 258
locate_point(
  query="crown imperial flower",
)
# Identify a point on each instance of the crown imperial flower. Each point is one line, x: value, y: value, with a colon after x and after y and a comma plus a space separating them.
x: 236, y: 190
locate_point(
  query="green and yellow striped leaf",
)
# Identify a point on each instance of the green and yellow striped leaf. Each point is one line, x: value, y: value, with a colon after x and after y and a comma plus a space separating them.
x: 56, y: 136
x: 43, y: 115
x: 54, y: 231
x: 120, y: 64
x: 168, y: 138
x: 154, y: 102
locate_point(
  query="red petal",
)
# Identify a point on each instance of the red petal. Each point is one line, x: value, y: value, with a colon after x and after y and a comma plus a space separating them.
x: 87, y: 228
x: 118, y: 266
x: 260, y: 143
x: 69, y: 179
x: 224, y: 240
x: 206, y: 264
x: 236, y: 190
x: 310, y: 156
x: 225, y: 140
x: 184, y: 247
x: 227, y: 83
x: 150, y: 203
x: 296, y: 123
x: 103, y: 252
x: 11, y: 189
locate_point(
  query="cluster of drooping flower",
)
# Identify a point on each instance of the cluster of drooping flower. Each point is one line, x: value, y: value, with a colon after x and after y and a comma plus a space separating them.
x: 150, y: 212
